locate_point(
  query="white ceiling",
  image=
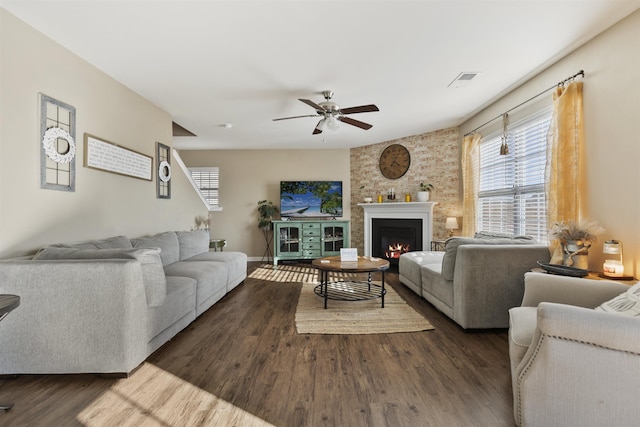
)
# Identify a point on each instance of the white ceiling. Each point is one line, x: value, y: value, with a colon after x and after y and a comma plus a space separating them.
x: 211, y: 62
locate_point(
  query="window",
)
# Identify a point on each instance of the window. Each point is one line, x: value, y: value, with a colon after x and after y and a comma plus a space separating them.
x: 208, y: 181
x: 511, y: 196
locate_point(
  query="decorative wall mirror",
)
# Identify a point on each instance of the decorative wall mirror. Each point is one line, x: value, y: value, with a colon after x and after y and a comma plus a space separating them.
x: 58, y: 142
x: 163, y: 184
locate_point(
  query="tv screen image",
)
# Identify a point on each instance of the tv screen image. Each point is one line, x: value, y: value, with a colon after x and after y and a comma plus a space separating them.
x: 310, y: 199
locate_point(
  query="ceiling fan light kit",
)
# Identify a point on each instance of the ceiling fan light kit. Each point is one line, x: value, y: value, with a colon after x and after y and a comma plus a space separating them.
x: 331, y: 114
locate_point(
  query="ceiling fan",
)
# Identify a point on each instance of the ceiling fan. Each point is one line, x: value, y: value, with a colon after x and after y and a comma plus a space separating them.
x: 331, y: 114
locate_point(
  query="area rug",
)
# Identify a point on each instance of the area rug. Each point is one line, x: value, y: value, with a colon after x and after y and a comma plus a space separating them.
x: 288, y: 273
x: 356, y: 317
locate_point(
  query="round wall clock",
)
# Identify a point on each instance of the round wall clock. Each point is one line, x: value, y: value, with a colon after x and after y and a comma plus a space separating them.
x: 395, y: 161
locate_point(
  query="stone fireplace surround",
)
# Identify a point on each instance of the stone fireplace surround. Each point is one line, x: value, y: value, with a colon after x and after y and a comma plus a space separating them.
x: 398, y: 210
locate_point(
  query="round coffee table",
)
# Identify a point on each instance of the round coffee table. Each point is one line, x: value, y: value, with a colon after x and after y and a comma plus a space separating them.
x: 350, y: 290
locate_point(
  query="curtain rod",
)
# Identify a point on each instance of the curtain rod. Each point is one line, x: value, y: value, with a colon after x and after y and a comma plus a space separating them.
x: 561, y: 83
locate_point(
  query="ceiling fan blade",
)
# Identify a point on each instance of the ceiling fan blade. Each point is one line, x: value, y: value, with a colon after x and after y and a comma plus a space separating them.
x: 294, y: 117
x: 356, y: 123
x: 317, y: 129
x: 361, y: 109
x: 311, y: 104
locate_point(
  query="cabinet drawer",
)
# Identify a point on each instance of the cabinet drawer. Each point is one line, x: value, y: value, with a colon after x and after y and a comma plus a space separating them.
x: 311, y: 232
x: 311, y: 226
x: 311, y: 245
x: 311, y: 253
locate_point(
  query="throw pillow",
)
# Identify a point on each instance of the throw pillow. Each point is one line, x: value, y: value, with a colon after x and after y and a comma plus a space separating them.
x: 193, y: 243
x: 452, y: 243
x: 627, y: 303
x: 492, y: 235
x: 116, y: 242
x: 153, y: 277
x: 167, y: 242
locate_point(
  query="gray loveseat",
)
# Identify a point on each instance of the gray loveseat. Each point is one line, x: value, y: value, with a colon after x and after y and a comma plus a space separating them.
x: 105, y: 306
x: 475, y: 281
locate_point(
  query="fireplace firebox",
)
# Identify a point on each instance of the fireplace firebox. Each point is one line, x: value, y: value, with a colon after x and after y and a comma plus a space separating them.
x: 391, y: 237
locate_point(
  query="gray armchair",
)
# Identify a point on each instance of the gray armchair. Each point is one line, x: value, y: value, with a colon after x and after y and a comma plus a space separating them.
x: 570, y: 364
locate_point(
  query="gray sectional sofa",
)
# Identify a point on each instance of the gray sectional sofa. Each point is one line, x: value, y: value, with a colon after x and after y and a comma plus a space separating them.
x: 105, y: 306
x: 475, y: 281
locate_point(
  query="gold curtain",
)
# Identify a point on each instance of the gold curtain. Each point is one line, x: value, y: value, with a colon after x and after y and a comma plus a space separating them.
x: 564, y: 169
x: 470, y: 181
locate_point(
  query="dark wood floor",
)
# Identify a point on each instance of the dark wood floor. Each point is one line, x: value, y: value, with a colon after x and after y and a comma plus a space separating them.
x: 242, y: 363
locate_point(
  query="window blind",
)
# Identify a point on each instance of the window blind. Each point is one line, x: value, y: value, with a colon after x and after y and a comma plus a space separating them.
x: 511, y: 189
x: 207, y: 180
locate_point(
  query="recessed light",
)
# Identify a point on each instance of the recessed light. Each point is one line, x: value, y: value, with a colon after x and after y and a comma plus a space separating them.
x: 226, y: 125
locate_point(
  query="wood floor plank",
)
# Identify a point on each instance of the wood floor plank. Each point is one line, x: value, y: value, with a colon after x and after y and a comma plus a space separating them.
x: 242, y: 363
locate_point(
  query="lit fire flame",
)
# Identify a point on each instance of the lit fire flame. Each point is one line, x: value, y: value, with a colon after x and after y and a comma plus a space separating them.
x: 395, y: 250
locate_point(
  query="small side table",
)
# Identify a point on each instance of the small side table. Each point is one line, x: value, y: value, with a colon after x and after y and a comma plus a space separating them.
x: 437, y: 245
x: 7, y: 304
x: 217, y: 243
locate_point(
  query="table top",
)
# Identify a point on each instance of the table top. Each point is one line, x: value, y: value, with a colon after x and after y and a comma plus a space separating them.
x: 8, y: 303
x: 594, y: 275
x: 363, y: 265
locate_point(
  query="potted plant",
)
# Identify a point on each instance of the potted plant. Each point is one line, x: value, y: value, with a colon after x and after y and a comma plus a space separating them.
x: 266, y: 211
x: 423, y: 194
x: 575, y: 239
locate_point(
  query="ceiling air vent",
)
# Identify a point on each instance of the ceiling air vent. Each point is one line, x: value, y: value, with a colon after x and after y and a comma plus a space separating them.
x: 462, y: 79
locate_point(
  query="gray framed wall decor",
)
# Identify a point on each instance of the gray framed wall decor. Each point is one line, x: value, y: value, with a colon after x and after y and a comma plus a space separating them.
x: 106, y: 156
x: 163, y: 183
x: 58, y: 145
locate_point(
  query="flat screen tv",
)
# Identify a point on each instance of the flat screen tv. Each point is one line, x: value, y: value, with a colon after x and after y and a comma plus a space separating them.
x: 310, y: 199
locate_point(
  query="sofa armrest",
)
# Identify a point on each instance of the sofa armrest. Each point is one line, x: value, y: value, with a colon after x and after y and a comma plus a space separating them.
x: 74, y: 316
x: 489, y: 280
x: 581, y: 369
x: 542, y: 287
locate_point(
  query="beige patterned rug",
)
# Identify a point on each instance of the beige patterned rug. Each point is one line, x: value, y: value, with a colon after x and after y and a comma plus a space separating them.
x: 356, y: 317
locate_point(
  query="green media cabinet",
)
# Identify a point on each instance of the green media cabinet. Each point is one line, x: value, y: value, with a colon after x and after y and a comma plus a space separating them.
x: 309, y: 239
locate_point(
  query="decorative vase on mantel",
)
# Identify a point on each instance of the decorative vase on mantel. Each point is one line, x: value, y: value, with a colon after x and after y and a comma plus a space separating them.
x: 422, y: 196
x: 574, y: 254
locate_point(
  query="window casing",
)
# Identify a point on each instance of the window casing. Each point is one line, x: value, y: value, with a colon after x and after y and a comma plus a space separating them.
x: 207, y: 179
x: 511, y: 196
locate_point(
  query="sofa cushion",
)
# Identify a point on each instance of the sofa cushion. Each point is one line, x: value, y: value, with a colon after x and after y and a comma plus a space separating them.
x: 116, y: 242
x: 211, y: 277
x: 192, y: 243
x: 167, y: 242
x: 627, y: 303
x: 155, y: 283
x: 433, y: 284
x: 451, y: 249
x: 236, y: 263
x: 410, y: 262
x: 180, y: 302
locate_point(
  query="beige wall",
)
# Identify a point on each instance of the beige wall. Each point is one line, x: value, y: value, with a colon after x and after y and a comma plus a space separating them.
x: 612, y: 126
x: 435, y: 159
x: 104, y: 204
x: 248, y: 176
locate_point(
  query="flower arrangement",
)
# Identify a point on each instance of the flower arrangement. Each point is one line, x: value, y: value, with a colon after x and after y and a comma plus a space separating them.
x: 575, y: 238
x: 583, y: 233
x: 203, y: 222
